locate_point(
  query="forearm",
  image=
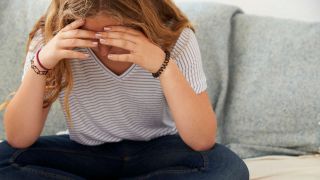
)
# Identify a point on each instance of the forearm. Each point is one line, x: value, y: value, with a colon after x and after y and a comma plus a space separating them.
x: 195, y: 121
x: 23, y: 118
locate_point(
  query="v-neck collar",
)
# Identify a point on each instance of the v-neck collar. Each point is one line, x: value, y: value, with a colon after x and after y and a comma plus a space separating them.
x: 119, y: 77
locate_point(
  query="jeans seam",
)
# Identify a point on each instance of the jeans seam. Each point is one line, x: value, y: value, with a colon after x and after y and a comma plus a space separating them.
x: 15, y: 155
x: 19, y: 152
x: 205, y: 166
x: 205, y: 160
x: 41, y: 172
x: 172, y: 171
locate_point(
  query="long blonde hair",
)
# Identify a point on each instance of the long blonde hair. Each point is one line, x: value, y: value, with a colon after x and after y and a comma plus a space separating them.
x: 160, y: 20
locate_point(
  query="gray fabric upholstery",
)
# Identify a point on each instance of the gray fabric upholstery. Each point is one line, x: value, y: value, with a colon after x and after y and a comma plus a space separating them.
x: 213, y: 28
x: 273, y: 96
x: 17, y: 20
x: 261, y: 74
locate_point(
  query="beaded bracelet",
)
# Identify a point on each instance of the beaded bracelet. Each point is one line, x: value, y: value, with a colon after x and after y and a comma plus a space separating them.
x: 164, y: 65
x: 36, y: 69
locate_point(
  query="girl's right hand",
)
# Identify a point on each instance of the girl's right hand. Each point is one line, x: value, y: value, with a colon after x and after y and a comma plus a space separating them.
x: 61, y: 45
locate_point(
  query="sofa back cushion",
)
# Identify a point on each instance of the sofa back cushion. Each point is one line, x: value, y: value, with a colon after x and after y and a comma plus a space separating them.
x: 273, y: 99
x: 213, y: 24
x: 16, y: 21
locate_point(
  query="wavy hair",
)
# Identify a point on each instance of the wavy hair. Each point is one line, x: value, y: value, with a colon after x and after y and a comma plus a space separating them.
x: 160, y: 20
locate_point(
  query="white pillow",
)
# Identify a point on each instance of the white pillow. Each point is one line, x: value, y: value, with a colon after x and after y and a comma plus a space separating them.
x: 62, y: 132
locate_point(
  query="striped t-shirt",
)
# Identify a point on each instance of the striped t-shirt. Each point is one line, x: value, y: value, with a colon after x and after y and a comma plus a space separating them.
x: 106, y: 107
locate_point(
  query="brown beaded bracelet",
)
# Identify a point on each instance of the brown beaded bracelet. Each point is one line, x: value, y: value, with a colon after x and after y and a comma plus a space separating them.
x: 164, y: 64
x: 36, y: 69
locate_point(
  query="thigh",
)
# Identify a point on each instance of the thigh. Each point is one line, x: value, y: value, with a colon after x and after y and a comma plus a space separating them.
x: 167, y: 152
x: 61, y: 153
x: 169, y: 158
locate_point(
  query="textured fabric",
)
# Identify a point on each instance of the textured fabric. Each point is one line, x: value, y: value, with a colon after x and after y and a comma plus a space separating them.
x: 106, y: 107
x: 163, y: 158
x: 16, y: 21
x: 273, y: 102
x: 213, y: 23
x: 36, y: 43
x: 305, y: 167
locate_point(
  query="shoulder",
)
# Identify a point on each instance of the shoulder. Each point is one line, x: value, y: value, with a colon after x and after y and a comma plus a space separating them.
x: 186, y: 40
x: 37, y: 41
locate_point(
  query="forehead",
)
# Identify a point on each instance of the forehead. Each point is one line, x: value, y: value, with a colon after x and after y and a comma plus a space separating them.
x: 98, y: 22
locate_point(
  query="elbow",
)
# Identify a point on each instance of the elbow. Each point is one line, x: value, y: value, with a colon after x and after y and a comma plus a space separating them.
x: 208, y: 141
x: 17, y: 140
x: 18, y: 144
x: 204, y: 146
x: 20, y: 140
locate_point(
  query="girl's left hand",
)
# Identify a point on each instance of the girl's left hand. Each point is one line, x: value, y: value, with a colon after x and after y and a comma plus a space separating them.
x: 142, y: 51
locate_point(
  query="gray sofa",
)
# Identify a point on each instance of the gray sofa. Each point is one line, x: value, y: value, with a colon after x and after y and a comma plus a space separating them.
x: 262, y: 74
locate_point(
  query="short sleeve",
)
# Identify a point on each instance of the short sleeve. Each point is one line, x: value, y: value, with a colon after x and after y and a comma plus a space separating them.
x: 187, y: 56
x: 36, y: 43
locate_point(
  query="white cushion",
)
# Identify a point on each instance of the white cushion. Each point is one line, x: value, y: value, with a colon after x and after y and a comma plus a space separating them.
x: 306, y: 167
x: 62, y: 132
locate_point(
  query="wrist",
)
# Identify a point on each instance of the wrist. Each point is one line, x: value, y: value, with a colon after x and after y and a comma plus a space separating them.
x: 165, y: 61
x: 35, y: 62
x: 159, y: 62
x: 43, y: 59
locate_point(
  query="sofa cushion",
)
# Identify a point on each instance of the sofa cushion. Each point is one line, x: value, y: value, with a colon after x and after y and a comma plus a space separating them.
x: 20, y: 18
x: 273, y: 96
x: 212, y: 22
x: 305, y: 167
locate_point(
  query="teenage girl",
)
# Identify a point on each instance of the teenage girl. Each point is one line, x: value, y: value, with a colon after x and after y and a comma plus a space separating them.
x: 128, y: 74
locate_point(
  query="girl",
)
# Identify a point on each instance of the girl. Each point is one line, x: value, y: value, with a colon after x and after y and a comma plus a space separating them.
x: 129, y: 77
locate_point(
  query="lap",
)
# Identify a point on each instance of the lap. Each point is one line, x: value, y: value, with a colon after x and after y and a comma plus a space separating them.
x: 163, y: 152
x: 168, y: 157
x: 160, y: 157
x: 61, y: 153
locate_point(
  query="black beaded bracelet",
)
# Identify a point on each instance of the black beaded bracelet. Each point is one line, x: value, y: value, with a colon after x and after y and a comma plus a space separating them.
x: 164, y: 64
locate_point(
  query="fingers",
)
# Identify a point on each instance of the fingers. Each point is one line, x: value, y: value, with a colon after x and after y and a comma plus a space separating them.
x: 71, y: 54
x: 74, y: 25
x: 122, y: 57
x: 78, y: 33
x: 127, y: 45
x: 117, y: 35
x: 72, y: 43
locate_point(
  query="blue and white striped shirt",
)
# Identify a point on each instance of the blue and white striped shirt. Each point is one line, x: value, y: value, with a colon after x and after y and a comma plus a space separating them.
x: 106, y: 107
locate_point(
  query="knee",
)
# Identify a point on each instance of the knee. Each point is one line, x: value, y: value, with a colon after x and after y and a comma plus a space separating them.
x: 228, y: 164
x: 6, y: 152
x: 240, y: 170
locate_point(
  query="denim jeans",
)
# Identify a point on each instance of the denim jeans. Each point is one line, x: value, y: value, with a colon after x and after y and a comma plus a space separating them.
x: 164, y: 158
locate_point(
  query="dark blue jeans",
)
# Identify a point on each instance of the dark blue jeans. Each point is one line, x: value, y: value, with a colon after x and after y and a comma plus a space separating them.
x: 164, y: 158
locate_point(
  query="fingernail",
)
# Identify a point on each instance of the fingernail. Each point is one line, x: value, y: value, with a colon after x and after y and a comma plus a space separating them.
x: 103, y: 41
x: 107, y: 28
x: 98, y: 35
x: 95, y: 43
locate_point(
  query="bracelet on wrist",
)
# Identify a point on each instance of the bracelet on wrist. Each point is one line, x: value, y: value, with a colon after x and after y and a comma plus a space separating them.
x: 38, y: 61
x: 37, y: 70
x: 164, y: 64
